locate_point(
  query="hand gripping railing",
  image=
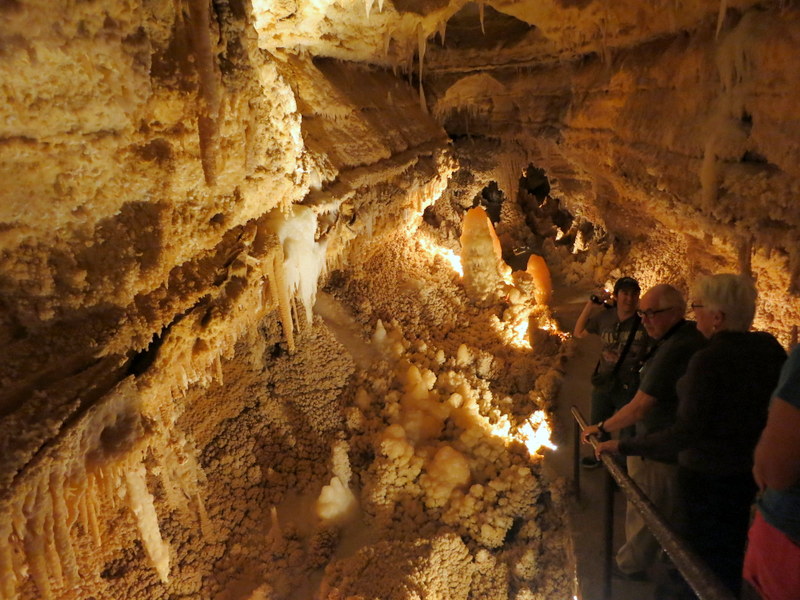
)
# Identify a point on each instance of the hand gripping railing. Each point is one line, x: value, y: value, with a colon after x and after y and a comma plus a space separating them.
x: 702, y: 580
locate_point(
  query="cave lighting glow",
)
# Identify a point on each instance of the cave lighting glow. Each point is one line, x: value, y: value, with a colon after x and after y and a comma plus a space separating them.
x: 535, y: 433
x: 450, y: 257
x: 519, y: 337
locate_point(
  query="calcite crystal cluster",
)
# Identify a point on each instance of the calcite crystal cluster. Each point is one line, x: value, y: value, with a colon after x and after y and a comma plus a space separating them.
x: 276, y: 277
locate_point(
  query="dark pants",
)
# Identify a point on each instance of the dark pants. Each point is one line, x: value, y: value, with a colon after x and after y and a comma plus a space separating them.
x: 717, y: 511
x: 605, y: 402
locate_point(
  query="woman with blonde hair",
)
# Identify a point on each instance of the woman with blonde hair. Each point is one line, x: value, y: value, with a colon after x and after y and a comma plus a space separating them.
x: 723, y: 400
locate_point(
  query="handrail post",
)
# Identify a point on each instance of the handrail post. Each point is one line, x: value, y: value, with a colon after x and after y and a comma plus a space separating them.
x: 702, y: 580
x: 608, y: 535
x: 576, y: 461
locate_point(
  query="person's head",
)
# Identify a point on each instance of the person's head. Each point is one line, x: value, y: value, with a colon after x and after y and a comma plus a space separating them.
x: 626, y: 294
x: 661, y: 308
x: 724, y: 301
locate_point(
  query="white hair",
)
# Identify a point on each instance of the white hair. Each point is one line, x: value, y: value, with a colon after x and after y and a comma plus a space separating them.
x: 732, y: 295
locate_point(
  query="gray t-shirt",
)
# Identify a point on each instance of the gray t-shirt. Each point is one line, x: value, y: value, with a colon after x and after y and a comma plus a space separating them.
x: 663, y: 368
x: 614, y: 335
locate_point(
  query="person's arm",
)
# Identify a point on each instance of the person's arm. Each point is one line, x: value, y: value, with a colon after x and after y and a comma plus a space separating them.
x: 698, y: 392
x: 777, y: 455
x: 631, y: 413
x: 580, y: 325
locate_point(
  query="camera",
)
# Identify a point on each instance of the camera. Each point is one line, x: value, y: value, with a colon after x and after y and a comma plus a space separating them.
x: 600, y: 302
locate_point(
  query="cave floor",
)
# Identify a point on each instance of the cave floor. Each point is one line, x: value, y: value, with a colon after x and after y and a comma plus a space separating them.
x: 587, y: 512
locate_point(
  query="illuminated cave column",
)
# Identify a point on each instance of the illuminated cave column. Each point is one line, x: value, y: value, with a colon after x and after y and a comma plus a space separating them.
x: 485, y: 272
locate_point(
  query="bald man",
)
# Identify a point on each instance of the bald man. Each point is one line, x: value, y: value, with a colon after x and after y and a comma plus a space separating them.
x: 652, y: 409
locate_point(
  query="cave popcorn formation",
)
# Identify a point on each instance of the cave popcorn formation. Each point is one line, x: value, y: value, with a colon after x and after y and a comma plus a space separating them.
x: 441, y: 448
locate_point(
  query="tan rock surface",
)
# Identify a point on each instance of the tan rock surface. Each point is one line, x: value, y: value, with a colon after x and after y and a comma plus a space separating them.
x: 228, y: 247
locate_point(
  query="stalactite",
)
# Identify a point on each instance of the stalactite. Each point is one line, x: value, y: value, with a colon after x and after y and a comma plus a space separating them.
x: 83, y: 508
x: 108, y: 482
x: 166, y: 459
x: 61, y: 529
x: 304, y: 260
x: 387, y: 43
x: 208, y: 100
x: 48, y: 532
x: 421, y: 45
x: 509, y: 172
x: 92, y: 506
x: 368, y: 6
x: 218, y: 370
x: 442, y: 31
x: 8, y: 578
x: 794, y: 271
x: 281, y: 296
x: 140, y: 501
x: 74, y: 490
x: 275, y: 534
x: 746, y: 257
x: 34, y: 542
x: 709, y: 174
x: 481, y: 11
x: 209, y: 533
x: 723, y: 8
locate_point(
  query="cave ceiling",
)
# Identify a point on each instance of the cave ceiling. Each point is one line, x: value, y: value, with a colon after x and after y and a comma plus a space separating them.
x: 635, y: 109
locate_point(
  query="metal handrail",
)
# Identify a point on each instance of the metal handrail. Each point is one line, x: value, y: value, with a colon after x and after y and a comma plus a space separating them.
x: 702, y: 580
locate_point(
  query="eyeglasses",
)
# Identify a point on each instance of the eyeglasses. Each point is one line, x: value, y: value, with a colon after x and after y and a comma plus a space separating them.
x: 650, y: 313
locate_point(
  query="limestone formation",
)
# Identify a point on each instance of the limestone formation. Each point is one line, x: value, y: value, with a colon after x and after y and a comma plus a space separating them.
x: 242, y: 357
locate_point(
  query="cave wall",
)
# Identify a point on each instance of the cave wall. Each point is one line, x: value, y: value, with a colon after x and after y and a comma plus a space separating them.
x: 218, y: 292
x: 682, y: 146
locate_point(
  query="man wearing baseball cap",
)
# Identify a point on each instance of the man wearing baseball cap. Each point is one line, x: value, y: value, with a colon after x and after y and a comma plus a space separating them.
x: 625, y: 342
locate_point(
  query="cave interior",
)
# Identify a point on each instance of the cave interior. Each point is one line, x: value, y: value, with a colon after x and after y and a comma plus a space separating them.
x: 279, y: 280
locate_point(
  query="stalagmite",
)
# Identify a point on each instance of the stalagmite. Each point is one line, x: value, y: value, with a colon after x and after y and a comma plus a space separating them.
x: 481, y: 257
x: 537, y: 268
x: 336, y: 502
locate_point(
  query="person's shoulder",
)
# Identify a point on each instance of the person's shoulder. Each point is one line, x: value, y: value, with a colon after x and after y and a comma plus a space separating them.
x: 688, y: 336
x: 766, y: 341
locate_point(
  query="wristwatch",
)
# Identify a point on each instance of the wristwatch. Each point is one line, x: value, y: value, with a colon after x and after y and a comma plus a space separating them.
x: 600, y: 427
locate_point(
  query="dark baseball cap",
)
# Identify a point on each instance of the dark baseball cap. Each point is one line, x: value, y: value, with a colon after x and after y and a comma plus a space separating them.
x: 626, y: 283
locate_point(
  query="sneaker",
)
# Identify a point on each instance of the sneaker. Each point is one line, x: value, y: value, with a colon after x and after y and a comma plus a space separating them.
x: 590, y: 462
x: 635, y: 576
